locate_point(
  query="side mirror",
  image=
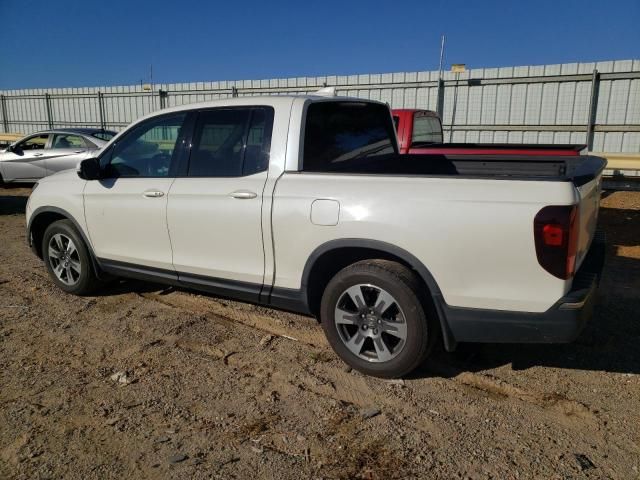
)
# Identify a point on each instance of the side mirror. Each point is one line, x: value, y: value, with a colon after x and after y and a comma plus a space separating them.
x: 89, y: 169
x: 14, y: 149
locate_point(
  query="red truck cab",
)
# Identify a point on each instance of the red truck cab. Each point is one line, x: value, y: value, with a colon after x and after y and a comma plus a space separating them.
x: 420, y: 133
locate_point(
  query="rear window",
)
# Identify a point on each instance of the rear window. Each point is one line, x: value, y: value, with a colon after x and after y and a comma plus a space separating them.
x: 105, y: 135
x: 426, y: 129
x: 339, y: 133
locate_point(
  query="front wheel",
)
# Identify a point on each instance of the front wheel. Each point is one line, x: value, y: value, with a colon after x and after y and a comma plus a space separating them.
x: 67, y: 259
x: 373, y: 317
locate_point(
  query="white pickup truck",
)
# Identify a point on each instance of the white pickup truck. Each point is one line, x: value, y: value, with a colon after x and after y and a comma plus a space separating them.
x: 303, y: 203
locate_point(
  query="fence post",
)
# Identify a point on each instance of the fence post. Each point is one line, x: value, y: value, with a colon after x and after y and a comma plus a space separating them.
x: 163, y: 98
x: 47, y: 100
x: 103, y: 123
x: 440, y: 101
x: 5, y: 120
x: 593, y: 107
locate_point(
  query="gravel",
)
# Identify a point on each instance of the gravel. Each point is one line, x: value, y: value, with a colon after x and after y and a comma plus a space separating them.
x: 206, y: 388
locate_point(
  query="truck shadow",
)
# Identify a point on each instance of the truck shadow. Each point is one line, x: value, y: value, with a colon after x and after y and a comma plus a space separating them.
x: 610, y: 341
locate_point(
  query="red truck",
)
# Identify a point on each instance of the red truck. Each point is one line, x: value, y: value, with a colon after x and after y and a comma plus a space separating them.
x: 420, y: 132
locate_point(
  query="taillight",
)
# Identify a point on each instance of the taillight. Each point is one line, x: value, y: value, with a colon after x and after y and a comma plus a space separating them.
x: 555, y: 230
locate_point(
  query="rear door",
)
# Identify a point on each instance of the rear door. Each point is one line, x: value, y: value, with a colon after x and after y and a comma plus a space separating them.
x: 126, y: 212
x: 66, y: 151
x: 214, y: 209
x: 27, y: 161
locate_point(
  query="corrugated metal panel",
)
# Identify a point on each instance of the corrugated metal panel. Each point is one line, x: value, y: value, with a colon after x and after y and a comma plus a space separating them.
x: 531, y: 104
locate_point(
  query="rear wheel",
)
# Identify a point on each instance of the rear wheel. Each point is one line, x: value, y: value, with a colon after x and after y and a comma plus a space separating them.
x: 67, y: 259
x: 374, y: 319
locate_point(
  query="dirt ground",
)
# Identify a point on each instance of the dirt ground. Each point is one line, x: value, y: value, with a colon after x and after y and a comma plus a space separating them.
x: 209, y: 388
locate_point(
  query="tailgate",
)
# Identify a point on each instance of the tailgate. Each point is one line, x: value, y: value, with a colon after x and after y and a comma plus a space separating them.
x: 588, y: 212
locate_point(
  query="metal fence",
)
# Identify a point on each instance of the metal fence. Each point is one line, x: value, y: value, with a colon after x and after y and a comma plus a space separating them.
x: 593, y: 103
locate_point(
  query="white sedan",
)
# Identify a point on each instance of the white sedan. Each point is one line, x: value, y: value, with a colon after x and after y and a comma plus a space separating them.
x: 43, y: 153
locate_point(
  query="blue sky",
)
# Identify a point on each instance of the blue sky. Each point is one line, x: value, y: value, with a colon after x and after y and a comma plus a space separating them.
x: 65, y: 43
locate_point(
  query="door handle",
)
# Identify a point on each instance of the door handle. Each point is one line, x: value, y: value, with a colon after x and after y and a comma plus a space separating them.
x: 78, y: 151
x: 153, y: 193
x: 243, y: 194
x: 38, y: 154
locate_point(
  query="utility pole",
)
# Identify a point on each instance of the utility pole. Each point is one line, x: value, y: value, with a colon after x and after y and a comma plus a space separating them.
x: 440, y: 101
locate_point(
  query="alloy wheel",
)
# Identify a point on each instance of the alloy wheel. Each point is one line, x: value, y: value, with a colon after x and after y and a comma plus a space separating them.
x: 370, y: 323
x: 64, y: 259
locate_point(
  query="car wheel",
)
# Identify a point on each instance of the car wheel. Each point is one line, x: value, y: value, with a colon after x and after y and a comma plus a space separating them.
x: 375, y: 320
x: 67, y: 259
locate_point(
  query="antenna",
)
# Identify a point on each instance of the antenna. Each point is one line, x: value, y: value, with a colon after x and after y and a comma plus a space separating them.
x: 441, y: 56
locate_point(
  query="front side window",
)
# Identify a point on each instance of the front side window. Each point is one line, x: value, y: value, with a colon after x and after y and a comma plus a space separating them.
x: 34, y: 143
x: 231, y: 142
x: 340, y: 136
x: 426, y: 129
x: 146, y: 151
x: 63, y: 140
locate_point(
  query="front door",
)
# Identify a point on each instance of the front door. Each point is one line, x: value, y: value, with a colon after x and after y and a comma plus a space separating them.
x: 215, y: 211
x: 126, y: 212
x: 27, y: 160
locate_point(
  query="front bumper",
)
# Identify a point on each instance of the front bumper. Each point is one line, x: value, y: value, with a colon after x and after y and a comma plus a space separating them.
x: 562, y: 323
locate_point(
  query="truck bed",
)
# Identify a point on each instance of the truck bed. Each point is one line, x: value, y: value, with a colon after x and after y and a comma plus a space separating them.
x: 577, y: 169
x: 559, y: 150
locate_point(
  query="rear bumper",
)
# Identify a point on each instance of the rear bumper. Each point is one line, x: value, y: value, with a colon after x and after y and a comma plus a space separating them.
x: 562, y: 323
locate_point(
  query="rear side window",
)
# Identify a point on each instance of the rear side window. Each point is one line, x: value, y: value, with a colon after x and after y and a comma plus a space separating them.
x: 90, y: 144
x: 105, y: 135
x: 63, y: 140
x: 426, y: 129
x: 256, y: 157
x: 338, y: 135
x: 231, y: 142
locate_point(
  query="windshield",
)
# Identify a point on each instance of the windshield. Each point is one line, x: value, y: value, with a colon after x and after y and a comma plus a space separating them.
x: 337, y: 132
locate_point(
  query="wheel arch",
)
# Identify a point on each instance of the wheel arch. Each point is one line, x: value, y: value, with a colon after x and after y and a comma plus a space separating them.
x: 40, y: 220
x: 330, y: 257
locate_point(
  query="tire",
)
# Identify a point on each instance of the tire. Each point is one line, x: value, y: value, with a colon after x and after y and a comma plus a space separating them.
x: 68, y: 260
x: 390, y: 315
